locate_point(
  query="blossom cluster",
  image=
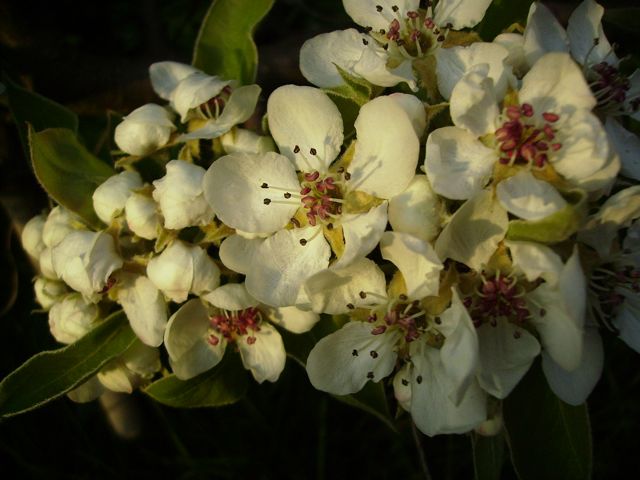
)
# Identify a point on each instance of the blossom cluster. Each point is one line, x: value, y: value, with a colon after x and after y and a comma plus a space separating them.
x: 451, y: 251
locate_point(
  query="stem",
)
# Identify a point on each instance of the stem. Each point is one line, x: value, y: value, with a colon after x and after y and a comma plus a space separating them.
x: 421, y: 456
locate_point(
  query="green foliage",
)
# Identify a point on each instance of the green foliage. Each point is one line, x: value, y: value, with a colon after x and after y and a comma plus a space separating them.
x: 488, y: 456
x: 225, y: 46
x: 49, y: 375
x: 547, y: 437
x: 38, y: 111
x: 500, y: 15
x: 67, y: 170
x: 224, y: 384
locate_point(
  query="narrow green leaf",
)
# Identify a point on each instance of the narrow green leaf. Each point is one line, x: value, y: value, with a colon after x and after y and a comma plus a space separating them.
x: 488, y: 456
x: 224, y: 384
x: 547, y: 437
x: 40, y: 112
x: 67, y: 170
x: 225, y: 46
x: 372, y: 400
x: 500, y: 15
x: 49, y: 375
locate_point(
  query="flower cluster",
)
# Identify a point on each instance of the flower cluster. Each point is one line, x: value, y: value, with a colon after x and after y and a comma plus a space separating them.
x: 450, y: 254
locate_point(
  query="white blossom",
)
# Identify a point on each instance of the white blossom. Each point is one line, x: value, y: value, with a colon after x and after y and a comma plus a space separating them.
x: 145, y: 130
x: 111, y: 196
x: 72, y: 317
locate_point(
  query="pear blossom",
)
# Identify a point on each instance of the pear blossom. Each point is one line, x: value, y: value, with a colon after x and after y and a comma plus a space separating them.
x: 142, y: 215
x: 85, y: 261
x: 145, y: 130
x: 31, y: 236
x: 111, y: 196
x: 548, y: 136
x: 199, y: 332
x: 131, y: 370
x: 182, y: 269
x: 180, y: 196
x: 60, y: 222
x: 72, y: 317
x: 418, y: 210
x: 48, y: 291
x: 241, y: 140
x: 301, y: 201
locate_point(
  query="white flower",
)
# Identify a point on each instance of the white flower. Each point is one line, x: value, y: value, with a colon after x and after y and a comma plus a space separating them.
x: 145, y: 130
x: 550, y: 131
x: 182, y: 269
x: 48, y: 291
x: 418, y: 210
x: 110, y: 197
x: 132, y: 369
x: 180, y: 196
x: 241, y: 140
x: 72, y: 317
x: 59, y: 223
x: 144, y: 306
x: 262, y: 194
x: 142, y: 215
x: 85, y: 260
x: 31, y: 236
x: 197, y: 334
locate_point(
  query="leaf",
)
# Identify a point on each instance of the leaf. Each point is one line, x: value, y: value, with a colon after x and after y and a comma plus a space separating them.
x: 67, y: 170
x: 40, y: 112
x: 547, y: 437
x: 488, y: 456
x: 225, y: 46
x: 372, y: 400
x: 224, y: 384
x: 348, y: 108
x: 49, y: 375
x: 500, y: 15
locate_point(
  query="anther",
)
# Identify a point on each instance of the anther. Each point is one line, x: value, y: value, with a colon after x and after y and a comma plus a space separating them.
x: 403, y: 297
x: 379, y: 8
x: 385, y: 46
x: 313, y: 151
x: 295, y: 222
x: 365, y: 42
x: 419, y: 379
x: 266, y: 201
x: 354, y: 352
x: 329, y: 226
x: 296, y: 149
x: 370, y: 375
x: 362, y: 294
x: 404, y: 382
x: 350, y: 306
x: 251, y: 340
x: 382, y: 31
x: 303, y: 242
x: 264, y: 185
x: 287, y: 195
x: 380, y: 329
x: 550, y: 117
x: 373, y: 354
x: 440, y: 38
x: 395, y: 8
x: 438, y: 320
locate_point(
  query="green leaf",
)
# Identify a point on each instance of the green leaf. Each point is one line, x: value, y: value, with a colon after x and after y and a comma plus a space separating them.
x: 547, y: 437
x: 224, y: 384
x: 225, y: 46
x: 554, y: 228
x: 488, y: 456
x: 40, y: 112
x: 500, y: 15
x: 68, y: 171
x: 49, y: 375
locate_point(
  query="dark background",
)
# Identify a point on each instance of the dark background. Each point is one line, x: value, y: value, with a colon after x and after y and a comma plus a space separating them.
x: 93, y: 57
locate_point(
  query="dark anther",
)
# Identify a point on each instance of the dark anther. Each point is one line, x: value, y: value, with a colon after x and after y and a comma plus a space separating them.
x: 362, y: 294
x: 313, y: 151
x: 296, y: 149
x: 419, y: 379
x: 370, y: 375
x: 354, y: 352
x: 403, y: 297
x: 287, y: 195
x: 264, y: 185
x: 373, y: 354
x: 329, y: 226
x: 385, y: 46
x: 404, y: 382
x: 382, y: 31
x: 379, y: 8
x: 395, y: 8
x: 303, y: 242
x: 347, y: 176
x: 441, y: 38
x: 295, y: 222
x: 350, y: 306
x: 266, y: 201
x: 364, y: 41
x: 368, y: 29
x: 437, y: 320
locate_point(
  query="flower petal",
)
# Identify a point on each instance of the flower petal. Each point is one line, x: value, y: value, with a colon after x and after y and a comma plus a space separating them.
x: 474, y: 104
x: 292, y: 318
x: 418, y: 210
x: 305, y: 117
x: 144, y: 306
x: 526, y: 197
x: 194, y: 90
x: 543, y: 34
x: 231, y: 297
x: 535, y: 261
x: 627, y: 145
x: 365, y: 13
x: 460, y: 13
x: 236, y: 252
x: 589, y: 45
x: 165, y: 76
x: 362, y: 232
x: 237, y: 185
x: 341, y: 363
x: 266, y: 356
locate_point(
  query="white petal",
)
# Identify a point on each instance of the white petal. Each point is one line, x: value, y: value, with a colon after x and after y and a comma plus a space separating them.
x: 237, y: 110
x: 59, y: 223
x: 373, y: 66
x: 584, y: 27
x: 231, y: 297
x: 292, y: 318
x: 414, y: 108
x: 460, y: 13
x: 364, y: 12
x: 206, y: 274
x: 514, y: 43
x: 474, y: 104
x: 31, y: 236
x: 305, y: 117
x: 87, y: 391
x: 266, y: 357
x: 387, y: 149
x: 526, y: 197
x: 402, y: 386
x: 457, y: 164
x: 48, y: 292
x: 111, y: 195
x: 233, y: 186
x: 535, y: 261
x: 241, y: 140
x: 144, y: 306
x: 473, y: 233
x: 362, y: 232
x: 142, y: 216
x: 627, y: 145
x: 453, y: 63
x: 555, y: 84
x: 236, y: 252
x: 432, y: 410
x: 165, y: 76
x: 194, y: 90
x: 281, y: 264
x: 417, y: 210
x: 332, y: 366
x: 416, y: 260
x: 574, y: 387
x: 71, y: 318
x: 200, y: 358
x: 543, y: 34
x: 144, y: 130
x: 331, y: 290
x: 504, y: 359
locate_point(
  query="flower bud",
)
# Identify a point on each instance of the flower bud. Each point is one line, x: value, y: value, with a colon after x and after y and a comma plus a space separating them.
x: 142, y: 216
x: 59, y: 223
x: 46, y: 264
x: 181, y: 197
x: 48, y: 291
x: 110, y: 197
x: 194, y: 90
x: 182, y: 269
x: 133, y: 369
x: 71, y: 318
x: 32, y: 236
x: 240, y: 140
x: 144, y: 130
x: 85, y: 260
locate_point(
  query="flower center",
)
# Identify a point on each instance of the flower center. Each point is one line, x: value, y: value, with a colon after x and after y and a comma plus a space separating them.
x: 608, y: 285
x: 231, y: 325
x: 212, y: 108
x: 414, y: 33
x: 498, y: 297
x: 611, y: 88
x: 521, y: 142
